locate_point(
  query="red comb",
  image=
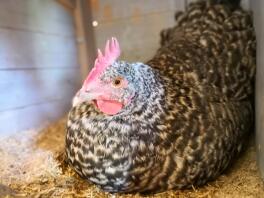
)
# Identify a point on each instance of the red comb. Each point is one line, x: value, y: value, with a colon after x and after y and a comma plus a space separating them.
x: 111, y: 53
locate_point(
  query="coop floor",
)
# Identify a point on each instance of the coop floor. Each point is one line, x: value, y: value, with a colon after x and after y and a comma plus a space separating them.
x: 32, y: 166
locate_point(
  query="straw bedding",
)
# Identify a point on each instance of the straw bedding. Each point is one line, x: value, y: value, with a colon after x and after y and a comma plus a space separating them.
x: 32, y: 165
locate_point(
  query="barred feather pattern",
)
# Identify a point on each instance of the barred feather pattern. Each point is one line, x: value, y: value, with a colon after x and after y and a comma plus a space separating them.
x: 191, y: 115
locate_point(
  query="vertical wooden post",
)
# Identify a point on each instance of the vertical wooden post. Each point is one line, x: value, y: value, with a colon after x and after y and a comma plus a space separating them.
x: 258, y: 8
x: 85, y: 36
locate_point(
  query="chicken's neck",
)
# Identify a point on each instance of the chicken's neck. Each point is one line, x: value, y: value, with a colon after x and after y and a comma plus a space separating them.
x: 149, y: 100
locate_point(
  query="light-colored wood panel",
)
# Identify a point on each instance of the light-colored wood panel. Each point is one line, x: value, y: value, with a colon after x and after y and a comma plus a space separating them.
x: 141, y: 34
x: 45, y: 16
x: 110, y: 10
x: 20, y: 49
x: 139, y: 55
x: 39, y: 72
x: 32, y: 116
x: 23, y: 88
x: 258, y: 8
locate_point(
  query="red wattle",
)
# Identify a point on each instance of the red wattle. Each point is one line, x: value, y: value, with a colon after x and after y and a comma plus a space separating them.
x: 109, y: 107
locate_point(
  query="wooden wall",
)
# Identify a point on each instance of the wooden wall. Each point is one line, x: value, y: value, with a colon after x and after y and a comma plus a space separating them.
x: 136, y: 24
x: 39, y: 70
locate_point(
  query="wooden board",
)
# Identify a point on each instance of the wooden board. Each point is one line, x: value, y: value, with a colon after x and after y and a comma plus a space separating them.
x: 132, y: 33
x: 85, y: 36
x: 136, y: 24
x: 39, y: 70
x: 111, y: 10
x: 20, y: 49
x: 46, y: 16
x: 258, y: 7
x: 32, y: 116
x: 21, y: 88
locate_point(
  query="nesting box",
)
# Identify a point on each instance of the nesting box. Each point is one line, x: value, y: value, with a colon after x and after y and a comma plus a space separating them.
x: 47, y: 47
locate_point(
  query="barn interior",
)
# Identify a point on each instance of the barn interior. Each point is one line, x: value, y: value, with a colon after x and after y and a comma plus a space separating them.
x: 47, y: 49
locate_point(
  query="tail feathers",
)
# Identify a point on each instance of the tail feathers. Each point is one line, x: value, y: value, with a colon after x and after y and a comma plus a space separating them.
x: 196, y: 10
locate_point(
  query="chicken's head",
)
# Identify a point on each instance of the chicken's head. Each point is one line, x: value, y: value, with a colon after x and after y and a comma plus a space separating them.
x: 109, y: 85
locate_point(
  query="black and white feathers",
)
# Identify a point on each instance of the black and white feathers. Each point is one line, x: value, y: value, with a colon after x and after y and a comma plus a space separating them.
x: 190, y: 114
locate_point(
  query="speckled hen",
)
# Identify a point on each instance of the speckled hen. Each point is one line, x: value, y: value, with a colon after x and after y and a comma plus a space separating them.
x: 175, y: 121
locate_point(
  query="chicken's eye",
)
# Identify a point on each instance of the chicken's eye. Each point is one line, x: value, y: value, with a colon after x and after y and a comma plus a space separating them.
x: 117, y: 82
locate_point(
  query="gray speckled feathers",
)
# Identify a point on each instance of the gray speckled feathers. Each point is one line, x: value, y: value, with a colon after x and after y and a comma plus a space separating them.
x: 190, y: 115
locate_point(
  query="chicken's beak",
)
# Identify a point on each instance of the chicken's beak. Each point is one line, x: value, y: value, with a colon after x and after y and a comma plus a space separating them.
x: 88, y: 94
x: 82, y: 96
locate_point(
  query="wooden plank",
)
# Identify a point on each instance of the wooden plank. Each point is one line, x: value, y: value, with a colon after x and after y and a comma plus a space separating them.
x: 23, y: 88
x: 21, y: 49
x: 85, y: 36
x: 32, y: 116
x: 138, y: 54
x: 257, y: 7
x: 39, y: 72
x: 36, y: 15
x: 131, y: 33
x: 111, y: 10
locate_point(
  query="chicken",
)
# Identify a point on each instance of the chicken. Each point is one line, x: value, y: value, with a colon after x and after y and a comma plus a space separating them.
x: 173, y: 122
